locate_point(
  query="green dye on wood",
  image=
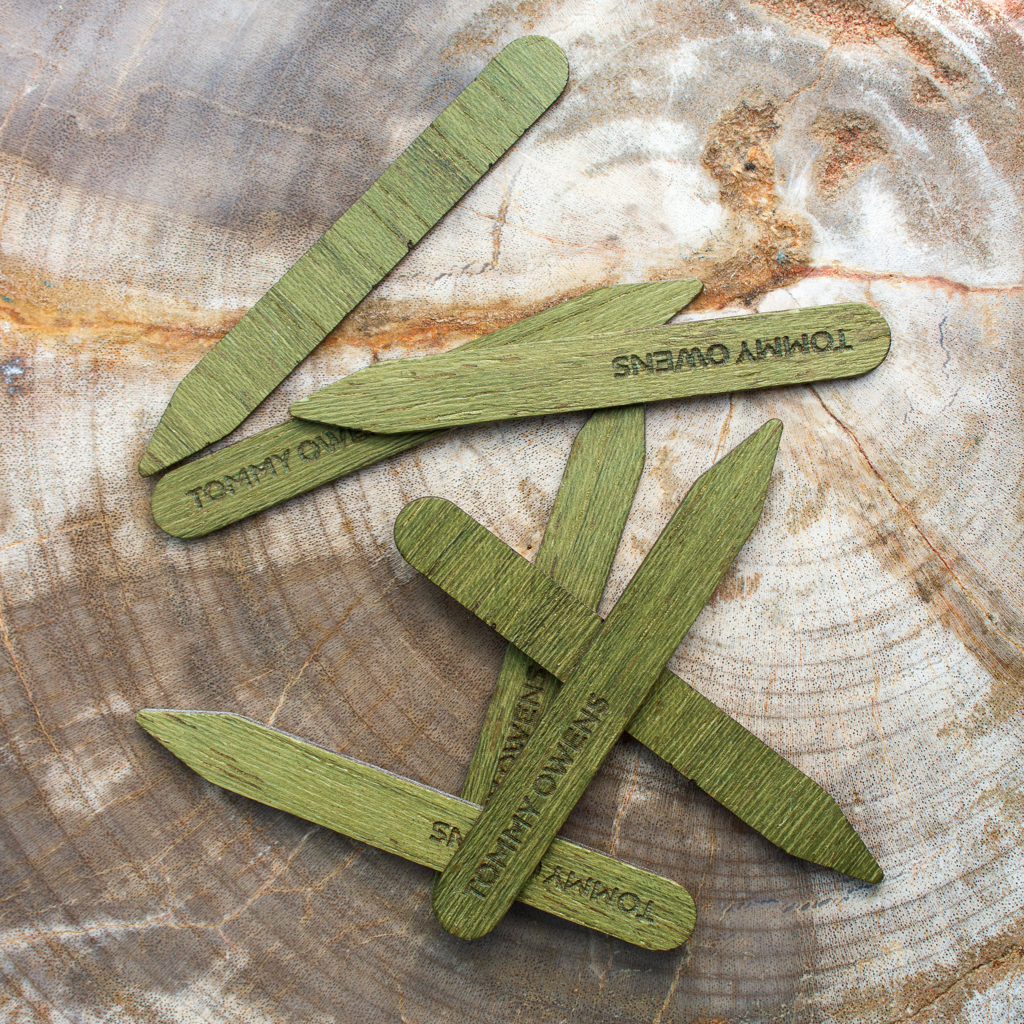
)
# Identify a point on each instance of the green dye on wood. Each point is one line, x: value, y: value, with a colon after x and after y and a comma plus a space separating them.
x: 675, y: 721
x: 541, y: 378
x: 295, y: 457
x: 359, y: 249
x: 607, y: 685
x: 580, y: 541
x: 414, y: 821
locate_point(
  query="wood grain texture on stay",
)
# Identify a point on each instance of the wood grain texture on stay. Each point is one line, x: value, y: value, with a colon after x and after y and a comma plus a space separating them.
x: 451, y: 155
x: 676, y: 722
x: 607, y: 686
x: 294, y: 457
x: 417, y: 822
x: 702, y: 357
x: 582, y: 535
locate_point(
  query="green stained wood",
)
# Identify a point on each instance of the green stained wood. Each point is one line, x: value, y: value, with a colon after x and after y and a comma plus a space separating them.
x: 541, y: 378
x: 414, y: 821
x: 294, y: 457
x: 580, y: 541
x: 675, y: 721
x: 607, y: 685
x: 359, y: 249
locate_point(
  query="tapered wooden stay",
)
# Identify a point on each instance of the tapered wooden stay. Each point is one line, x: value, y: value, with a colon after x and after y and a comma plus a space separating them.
x: 596, y: 372
x: 577, y: 549
x: 610, y: 681
x: 296, y: 456
x: 359, y: 249
x: 415, y: 821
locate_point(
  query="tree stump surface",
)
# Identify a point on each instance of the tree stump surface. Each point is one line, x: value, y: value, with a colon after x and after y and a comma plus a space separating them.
x: 163, y: 165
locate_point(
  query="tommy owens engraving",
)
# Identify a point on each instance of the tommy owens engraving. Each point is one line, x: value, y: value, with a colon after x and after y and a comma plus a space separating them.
x: 521, y: 725
x: 573, y: 739
x: 565, y: 880
x: 780, y: 347
x: 329, y: 441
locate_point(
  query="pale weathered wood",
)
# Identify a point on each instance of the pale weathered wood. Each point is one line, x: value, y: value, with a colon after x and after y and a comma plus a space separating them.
x: 595, y: 372
x: 163, y: 164
x: 359, y: 249
x: 610, y: 682
x: 294, y: 457
x: 415, y: 821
